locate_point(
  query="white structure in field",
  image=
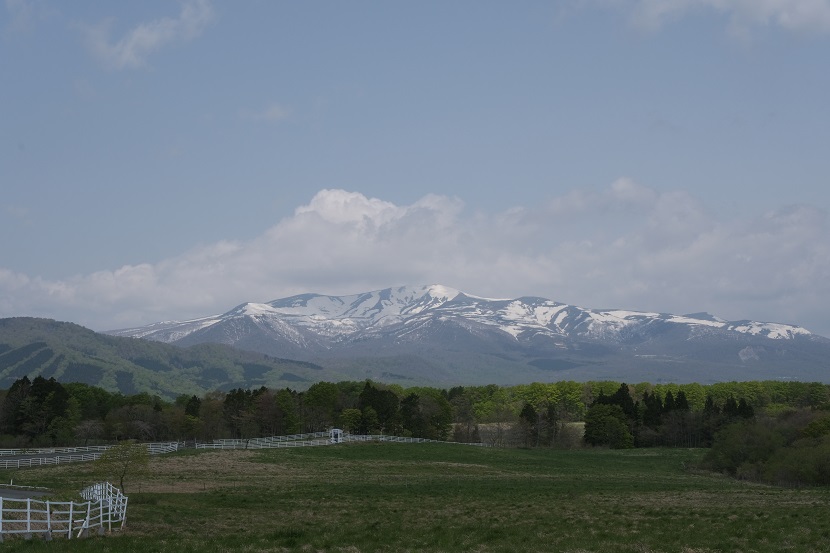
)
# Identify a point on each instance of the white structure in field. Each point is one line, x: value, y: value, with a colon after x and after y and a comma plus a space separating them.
x: 105, y: 510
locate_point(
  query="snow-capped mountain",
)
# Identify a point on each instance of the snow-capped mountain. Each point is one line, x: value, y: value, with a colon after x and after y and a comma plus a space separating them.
x: 442, y: 328
x: 339, y: 318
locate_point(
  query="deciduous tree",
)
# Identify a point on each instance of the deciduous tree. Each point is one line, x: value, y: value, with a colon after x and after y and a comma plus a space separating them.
x: 123, y: 461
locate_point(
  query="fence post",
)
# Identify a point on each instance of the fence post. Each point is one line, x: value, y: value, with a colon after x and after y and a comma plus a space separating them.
x: 1, y: 519
x: 28, y: 534
x: 48, y: 519
x: 71, y: 519
x: 85, y: 526
x: 109, y: 510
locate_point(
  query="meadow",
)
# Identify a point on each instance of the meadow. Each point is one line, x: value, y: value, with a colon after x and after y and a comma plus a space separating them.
x: 383, y: 497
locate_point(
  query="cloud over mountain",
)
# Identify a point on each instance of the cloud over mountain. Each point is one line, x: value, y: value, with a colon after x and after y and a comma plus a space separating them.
x: 624, y: 246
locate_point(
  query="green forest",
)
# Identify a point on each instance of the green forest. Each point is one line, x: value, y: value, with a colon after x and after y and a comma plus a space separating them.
x: 768, y: 431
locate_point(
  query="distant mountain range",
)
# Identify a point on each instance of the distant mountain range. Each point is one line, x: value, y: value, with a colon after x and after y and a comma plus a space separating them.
x: 437, y: 335
x: 71, y: 353
x: 419, y: 335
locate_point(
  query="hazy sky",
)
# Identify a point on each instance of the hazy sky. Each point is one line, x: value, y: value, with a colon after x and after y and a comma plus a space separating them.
x: 166, y: 160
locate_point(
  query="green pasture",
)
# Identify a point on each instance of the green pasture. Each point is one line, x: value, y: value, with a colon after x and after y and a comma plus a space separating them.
x: 441, y: 497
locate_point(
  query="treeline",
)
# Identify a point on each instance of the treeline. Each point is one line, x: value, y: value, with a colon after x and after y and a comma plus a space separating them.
x: 783, y: 445
x: 44, y: 412
x: 620, y: 421
x: 791, y: 449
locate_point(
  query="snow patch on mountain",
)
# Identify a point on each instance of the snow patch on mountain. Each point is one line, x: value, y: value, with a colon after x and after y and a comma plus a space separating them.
x: 771, y: 330
x: 688, y: 320
x: 168, y: 331
x: 331, y: 320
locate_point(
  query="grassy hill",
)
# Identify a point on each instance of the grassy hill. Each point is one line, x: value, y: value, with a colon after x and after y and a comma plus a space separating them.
x: 386, y: 497
x: 71, y: 353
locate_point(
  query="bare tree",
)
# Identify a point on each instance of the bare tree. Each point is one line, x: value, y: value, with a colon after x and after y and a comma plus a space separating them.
x: 123, y: 460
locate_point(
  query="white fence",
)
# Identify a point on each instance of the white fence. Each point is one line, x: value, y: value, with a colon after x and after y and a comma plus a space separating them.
x: 111, y: 497
x: 53, y: 450
x: 382, y: 438
x: 38, y: 461
x: 105, y: 508
x: 293, y: 440
x: 308, y: 440
x: 55, y: 456
x: 43, y: 456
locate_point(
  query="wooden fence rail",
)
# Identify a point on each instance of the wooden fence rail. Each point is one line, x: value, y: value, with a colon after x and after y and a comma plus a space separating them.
x: 105, y: 508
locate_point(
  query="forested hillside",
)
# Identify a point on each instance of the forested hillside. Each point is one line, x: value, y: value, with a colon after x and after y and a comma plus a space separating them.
x: 71, y: 353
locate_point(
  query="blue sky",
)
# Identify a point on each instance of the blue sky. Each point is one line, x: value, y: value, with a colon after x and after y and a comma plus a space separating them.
x: 165, y: 160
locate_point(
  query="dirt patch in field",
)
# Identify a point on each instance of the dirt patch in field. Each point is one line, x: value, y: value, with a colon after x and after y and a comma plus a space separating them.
x: 213, y: 470
x: 190, y: 473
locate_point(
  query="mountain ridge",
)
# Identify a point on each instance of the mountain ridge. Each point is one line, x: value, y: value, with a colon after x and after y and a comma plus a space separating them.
x: 442, y: 325
x: 392, y: 305
x: 428, y: 335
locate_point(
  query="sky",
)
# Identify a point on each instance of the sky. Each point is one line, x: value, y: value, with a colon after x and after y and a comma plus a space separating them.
x: 166, y: 160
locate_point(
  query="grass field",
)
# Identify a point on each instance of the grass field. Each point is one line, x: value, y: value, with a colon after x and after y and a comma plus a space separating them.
x: 441, y: 497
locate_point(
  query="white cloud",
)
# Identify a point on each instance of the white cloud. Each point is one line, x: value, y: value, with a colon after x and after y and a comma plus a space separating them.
x: 340, y: 206
x: 133, y: 49
x: 626, y: 246
x: 791, y: 15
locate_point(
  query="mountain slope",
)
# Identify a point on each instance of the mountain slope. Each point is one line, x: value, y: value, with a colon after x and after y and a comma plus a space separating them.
x: 460, y: 338
x: 71, y: 353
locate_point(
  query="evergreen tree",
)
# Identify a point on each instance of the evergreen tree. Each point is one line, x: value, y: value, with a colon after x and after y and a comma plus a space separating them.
x: 192, y: 406
x: 385, y: 403
x: 320, y: 405
x: 237, y: 409
x: 455, y: 392
x: 730, y: 408
x: 11, y: 413
x: 681, y: 403
x: 710, y: 422
x: 653, y: 410
x: 288, y: 408
x: 709, y: 407
x: 528, y: 420
x: 622, y: 397
x: 411, y: 418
